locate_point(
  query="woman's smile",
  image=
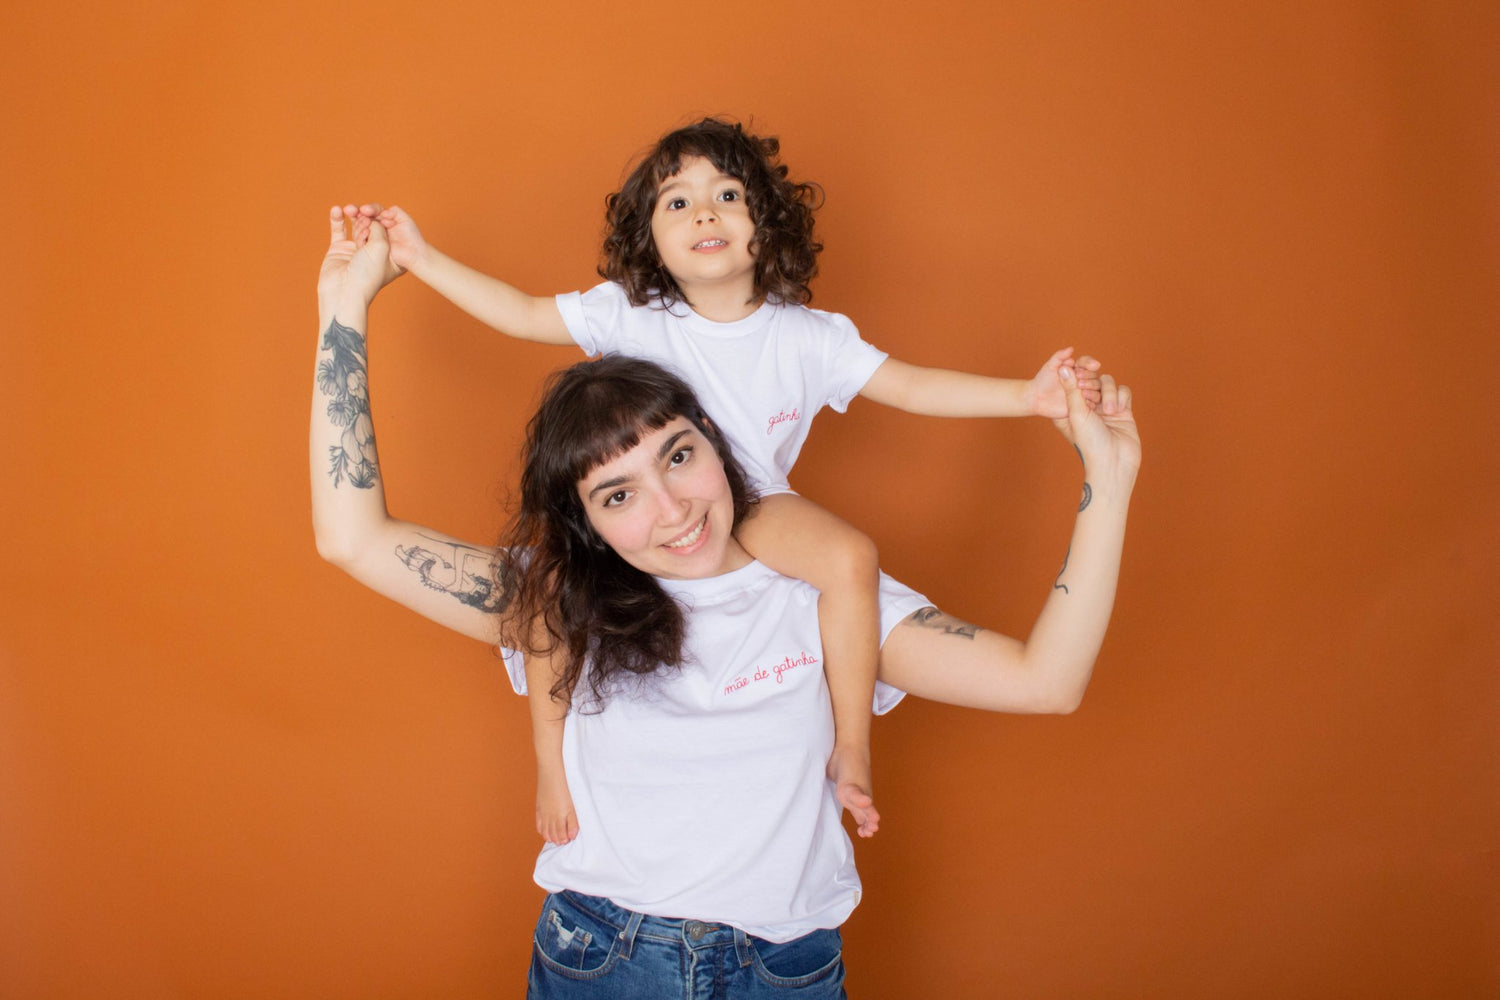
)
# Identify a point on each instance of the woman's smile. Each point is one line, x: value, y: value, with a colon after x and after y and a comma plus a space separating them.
x: 665, y: 505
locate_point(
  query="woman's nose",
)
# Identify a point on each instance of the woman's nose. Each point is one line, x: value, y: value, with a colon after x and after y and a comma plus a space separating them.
x: 672, y: 508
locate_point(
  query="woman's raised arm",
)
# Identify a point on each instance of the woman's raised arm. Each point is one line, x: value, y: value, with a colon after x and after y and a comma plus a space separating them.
x: 447, y: 580
x: 934, y: 655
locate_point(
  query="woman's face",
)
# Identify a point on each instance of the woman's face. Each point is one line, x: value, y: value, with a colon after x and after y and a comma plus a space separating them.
x: 665, y: 505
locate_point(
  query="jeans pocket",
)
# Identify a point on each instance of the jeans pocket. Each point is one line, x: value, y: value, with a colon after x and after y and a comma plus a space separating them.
x: 573, y: 942
x: 811, y: 958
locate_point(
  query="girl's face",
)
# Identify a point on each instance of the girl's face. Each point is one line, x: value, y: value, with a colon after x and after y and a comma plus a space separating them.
x: 665, y: 505
x: 702, y: 229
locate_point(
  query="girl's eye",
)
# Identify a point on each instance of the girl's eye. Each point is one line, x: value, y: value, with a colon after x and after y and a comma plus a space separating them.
x: 677, y: 203
x: 730, y: 195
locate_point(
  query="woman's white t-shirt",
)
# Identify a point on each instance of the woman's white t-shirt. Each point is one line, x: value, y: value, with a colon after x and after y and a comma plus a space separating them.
x: 701, y: 792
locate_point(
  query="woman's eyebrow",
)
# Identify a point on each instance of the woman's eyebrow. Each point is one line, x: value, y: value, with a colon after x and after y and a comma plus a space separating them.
x: 609, y: 484
x: 671, y: 444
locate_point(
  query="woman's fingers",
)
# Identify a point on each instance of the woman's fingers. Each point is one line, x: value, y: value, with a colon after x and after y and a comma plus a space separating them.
x: 1108, y: 393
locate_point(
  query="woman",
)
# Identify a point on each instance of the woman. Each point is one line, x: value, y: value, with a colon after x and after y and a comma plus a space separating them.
x: 709, y: 848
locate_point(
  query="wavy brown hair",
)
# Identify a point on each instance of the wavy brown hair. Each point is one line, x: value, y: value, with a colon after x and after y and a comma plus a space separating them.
x: 786, y: 254
x: 570, y: 595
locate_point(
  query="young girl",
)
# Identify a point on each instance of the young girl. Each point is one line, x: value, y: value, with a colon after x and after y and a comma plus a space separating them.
x: 708, y: 253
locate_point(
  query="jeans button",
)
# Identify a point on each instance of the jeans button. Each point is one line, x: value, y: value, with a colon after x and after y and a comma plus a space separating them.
x: 696, y: 930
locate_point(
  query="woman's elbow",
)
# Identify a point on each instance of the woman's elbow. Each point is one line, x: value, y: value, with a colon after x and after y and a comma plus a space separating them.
x: 341, y: 548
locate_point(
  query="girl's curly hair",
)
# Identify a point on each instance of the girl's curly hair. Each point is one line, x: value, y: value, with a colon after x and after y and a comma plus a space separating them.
x: 566, y: 592
x: 786, y: 254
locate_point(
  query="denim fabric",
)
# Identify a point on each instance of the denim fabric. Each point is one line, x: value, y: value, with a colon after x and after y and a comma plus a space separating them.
x: 589, y: 947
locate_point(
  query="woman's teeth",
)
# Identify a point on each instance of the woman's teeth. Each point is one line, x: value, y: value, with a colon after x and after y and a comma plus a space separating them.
x: 690, y: 537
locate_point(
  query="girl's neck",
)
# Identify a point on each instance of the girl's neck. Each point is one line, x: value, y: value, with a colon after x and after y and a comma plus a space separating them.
x: 722, y: 305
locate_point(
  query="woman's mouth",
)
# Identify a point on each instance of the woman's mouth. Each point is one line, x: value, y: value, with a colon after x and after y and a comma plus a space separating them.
x: 691, y: 538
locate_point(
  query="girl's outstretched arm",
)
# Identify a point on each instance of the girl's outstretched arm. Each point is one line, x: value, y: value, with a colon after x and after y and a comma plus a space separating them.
x: 940, y: 392
x: 491, y: 301
x: 934, y: 655
x: 441, y: 577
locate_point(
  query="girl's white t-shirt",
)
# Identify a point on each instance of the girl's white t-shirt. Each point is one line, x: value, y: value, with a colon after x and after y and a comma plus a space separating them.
x: 701, y: 791
x: 762, y: 379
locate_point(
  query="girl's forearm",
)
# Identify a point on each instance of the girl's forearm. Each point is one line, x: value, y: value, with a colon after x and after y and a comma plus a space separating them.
x: 493, y: 302
x: 942, y: 392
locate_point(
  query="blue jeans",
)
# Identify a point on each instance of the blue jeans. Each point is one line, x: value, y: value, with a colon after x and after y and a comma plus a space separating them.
x: 589, y: 947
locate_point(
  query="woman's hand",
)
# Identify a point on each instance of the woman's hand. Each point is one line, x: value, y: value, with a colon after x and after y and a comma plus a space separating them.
x: 1046, y: 395
x: 358, y: 263
x: 1106, y: 436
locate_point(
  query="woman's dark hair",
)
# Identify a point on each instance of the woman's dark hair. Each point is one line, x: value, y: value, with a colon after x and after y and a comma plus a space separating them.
x: 567, y: 593
x: 786, y: 255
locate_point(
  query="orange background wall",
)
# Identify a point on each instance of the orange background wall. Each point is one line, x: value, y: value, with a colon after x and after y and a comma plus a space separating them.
x: 227, y: 771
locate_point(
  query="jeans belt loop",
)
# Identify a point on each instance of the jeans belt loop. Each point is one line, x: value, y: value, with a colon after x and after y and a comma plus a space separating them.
x: 627, y: 936
x: 742, y: 948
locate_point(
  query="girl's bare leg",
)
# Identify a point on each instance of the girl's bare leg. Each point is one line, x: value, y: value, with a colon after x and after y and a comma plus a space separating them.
x: 797, y: 538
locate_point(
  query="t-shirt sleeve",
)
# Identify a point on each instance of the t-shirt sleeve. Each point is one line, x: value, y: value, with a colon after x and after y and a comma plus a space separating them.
x: 897, y: 601
x: 595, y: 318
x: 845, y: 358
x: 515, y: 669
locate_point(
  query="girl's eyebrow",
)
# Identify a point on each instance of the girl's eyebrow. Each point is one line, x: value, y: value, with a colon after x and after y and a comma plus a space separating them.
x: 674, y: 182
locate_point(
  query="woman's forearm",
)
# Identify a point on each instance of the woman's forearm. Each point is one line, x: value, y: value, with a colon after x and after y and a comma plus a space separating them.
x: 1064, y: 643
x: 348, y: 498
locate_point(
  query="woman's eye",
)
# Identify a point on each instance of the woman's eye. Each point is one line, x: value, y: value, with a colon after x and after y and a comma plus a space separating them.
x: 616, y: 498
x: 680, y: 456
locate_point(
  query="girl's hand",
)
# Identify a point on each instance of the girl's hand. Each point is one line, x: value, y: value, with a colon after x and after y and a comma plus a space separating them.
x: 407, y: 244
x: 357, y: 264
x: 1045, y: 392
x: 1106, y: 435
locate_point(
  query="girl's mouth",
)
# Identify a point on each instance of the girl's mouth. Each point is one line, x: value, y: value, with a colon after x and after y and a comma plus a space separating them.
x: 709, y: 245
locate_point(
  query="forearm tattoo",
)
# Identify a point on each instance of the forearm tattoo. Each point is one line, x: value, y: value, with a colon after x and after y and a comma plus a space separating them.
x: 930, y: 617
x: 1088, y: 493
x: 342, y: 376
x: 461, y: 571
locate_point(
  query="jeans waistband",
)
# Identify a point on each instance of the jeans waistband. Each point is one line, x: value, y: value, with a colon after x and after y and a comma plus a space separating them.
x: 632, y: 926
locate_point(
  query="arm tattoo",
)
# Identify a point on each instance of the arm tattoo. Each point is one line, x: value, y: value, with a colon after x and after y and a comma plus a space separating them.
x: 1088, y: 493
x: 468, y: 576
x: 1056, y: 584
x: 343, y: 377
x: 930, y: 617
